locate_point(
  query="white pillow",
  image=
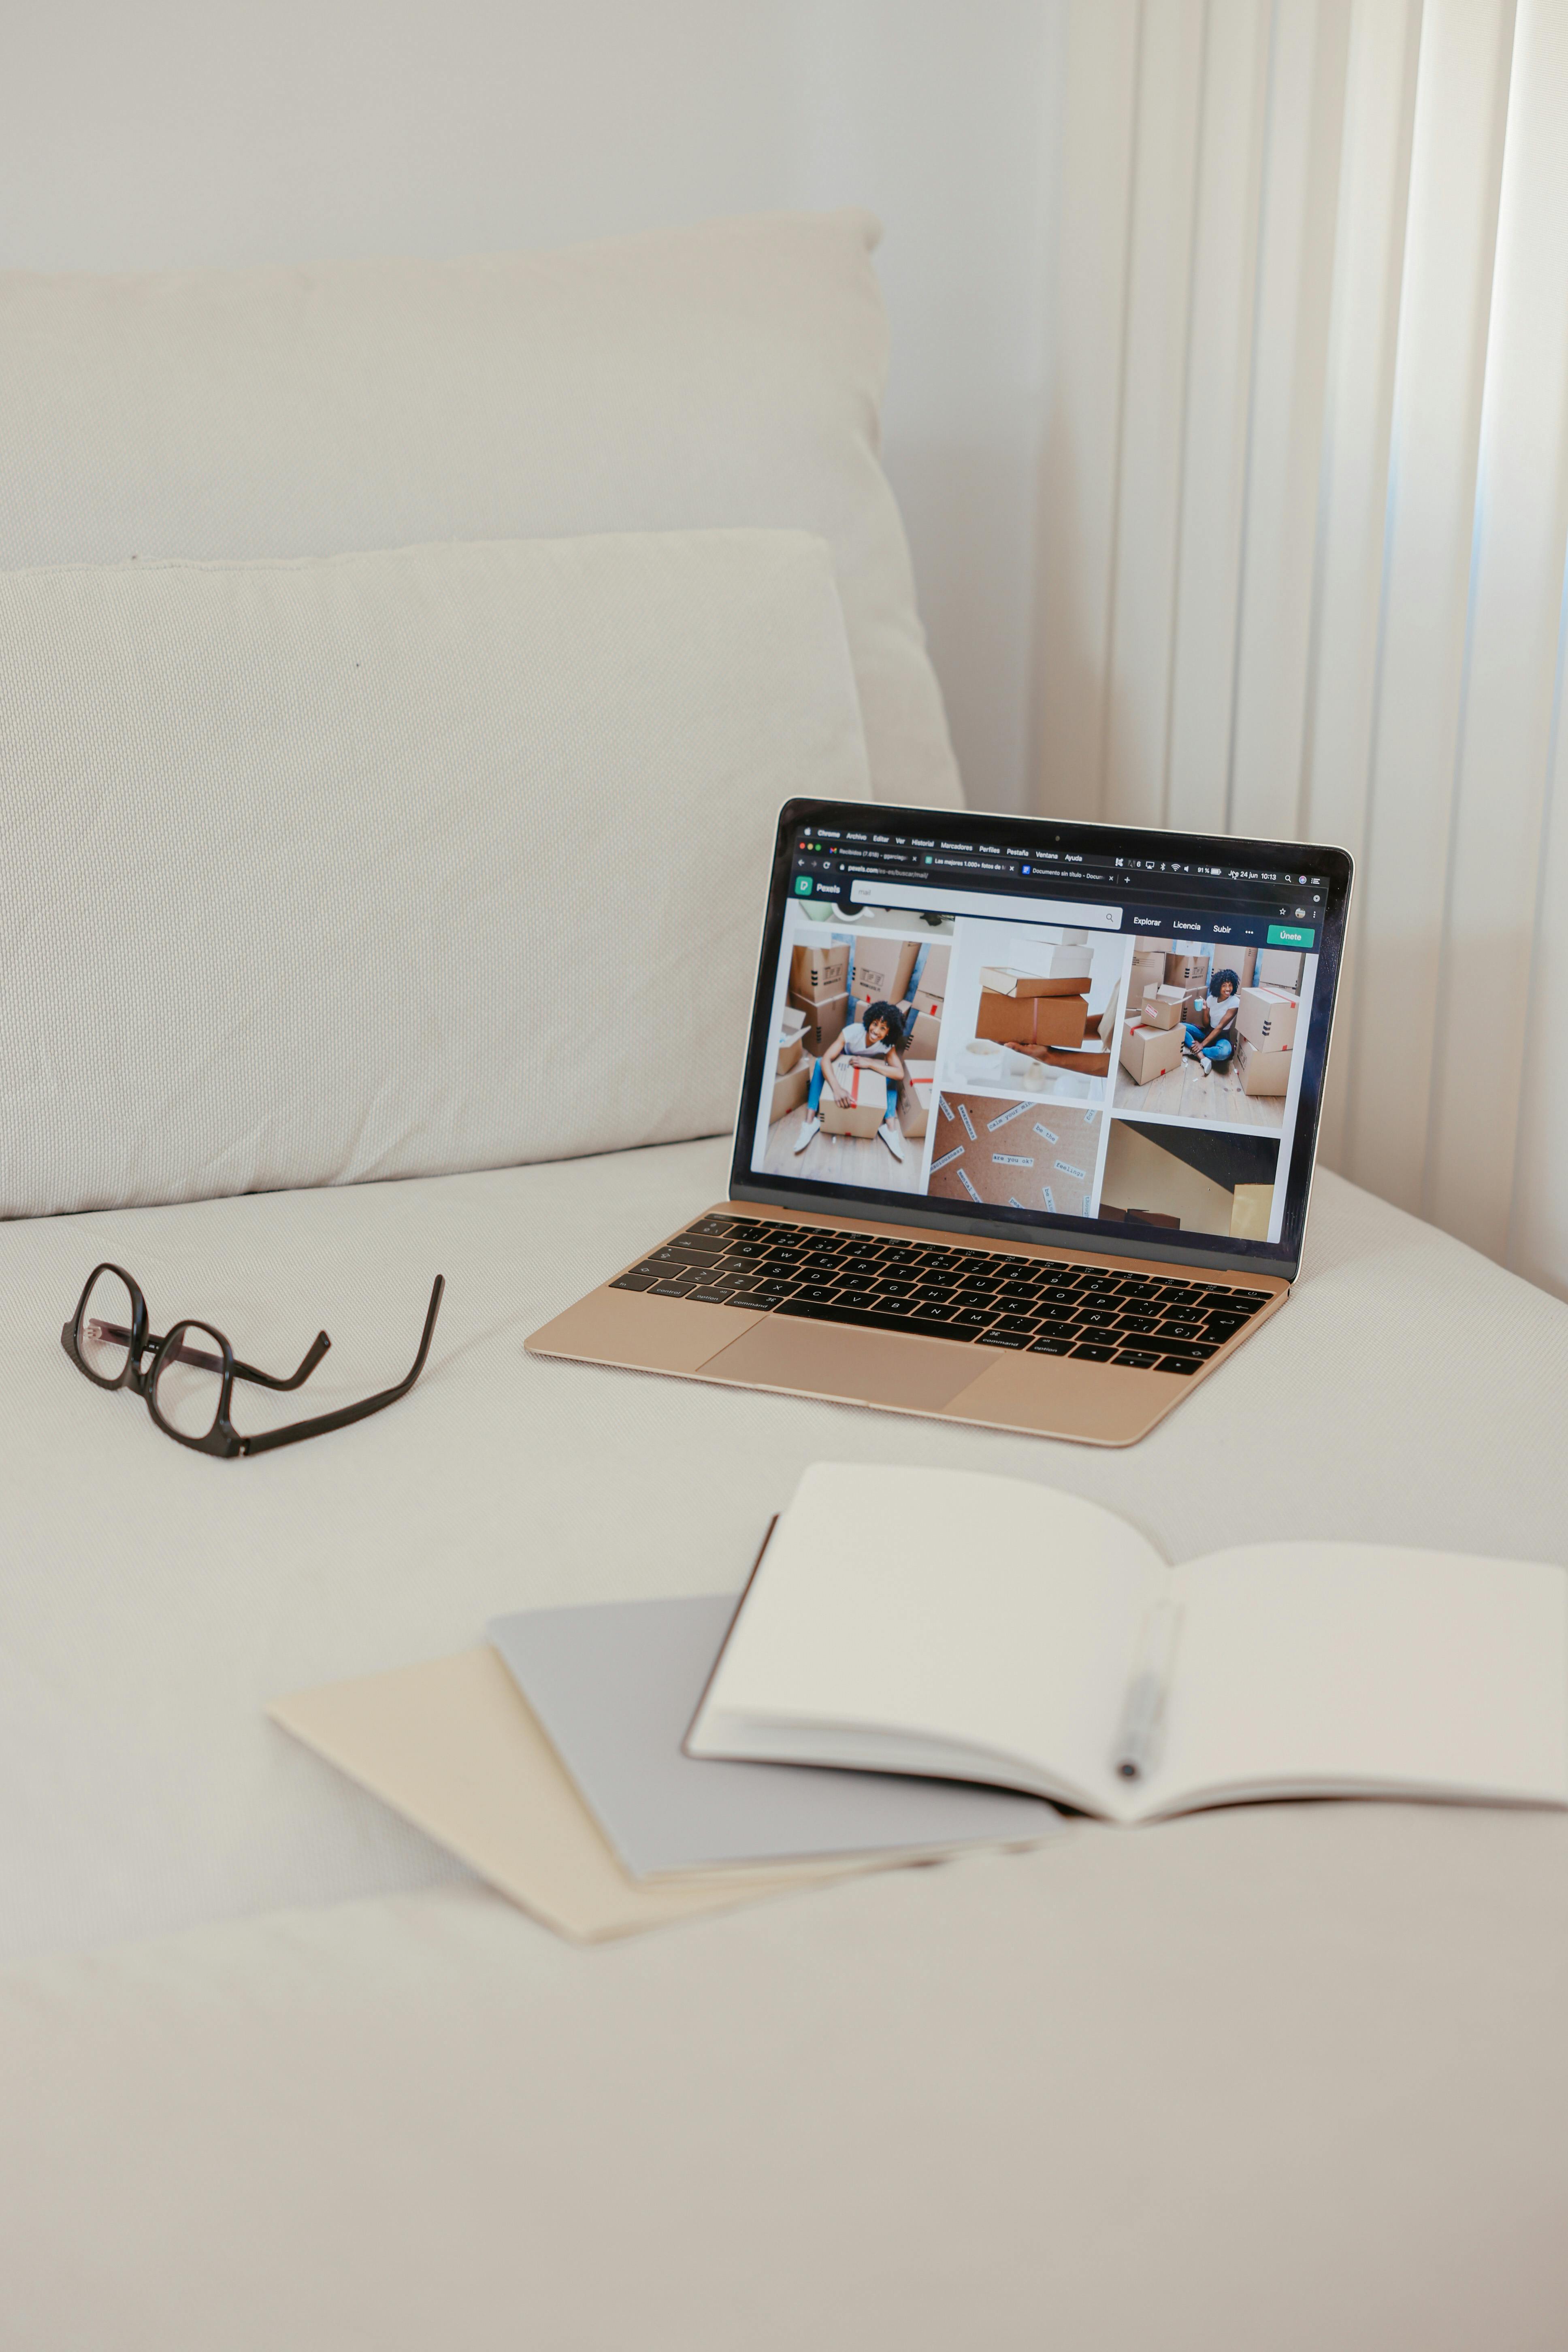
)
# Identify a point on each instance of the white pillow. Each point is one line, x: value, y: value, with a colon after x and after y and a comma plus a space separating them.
x: 730, y: 374
x: 397, y: 863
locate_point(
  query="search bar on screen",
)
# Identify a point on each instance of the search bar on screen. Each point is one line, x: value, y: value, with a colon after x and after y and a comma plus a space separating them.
x: 870, y: 892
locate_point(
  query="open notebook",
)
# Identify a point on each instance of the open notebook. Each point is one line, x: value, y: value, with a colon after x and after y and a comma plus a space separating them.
x: 1037, y: 1642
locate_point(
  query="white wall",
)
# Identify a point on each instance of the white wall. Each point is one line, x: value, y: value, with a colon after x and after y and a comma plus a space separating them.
x: 170, y: 132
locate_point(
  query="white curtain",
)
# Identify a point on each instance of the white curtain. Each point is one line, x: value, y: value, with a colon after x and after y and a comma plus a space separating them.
x: 1304, y: 527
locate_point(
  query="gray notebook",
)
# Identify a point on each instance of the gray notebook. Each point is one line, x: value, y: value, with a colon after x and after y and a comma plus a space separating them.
x: 615, y: 1685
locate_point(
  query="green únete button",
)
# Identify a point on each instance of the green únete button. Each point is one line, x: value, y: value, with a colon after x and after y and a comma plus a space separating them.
x: 1289, y: 935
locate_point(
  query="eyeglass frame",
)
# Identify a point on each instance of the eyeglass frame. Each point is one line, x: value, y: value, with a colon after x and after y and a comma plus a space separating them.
x: 223, y: 1439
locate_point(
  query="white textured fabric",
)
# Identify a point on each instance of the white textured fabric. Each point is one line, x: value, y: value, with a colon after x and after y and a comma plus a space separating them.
x: 397, y: 863
x: 152, y: 1600
x: 730, y: 374
x: 1277, y: 2077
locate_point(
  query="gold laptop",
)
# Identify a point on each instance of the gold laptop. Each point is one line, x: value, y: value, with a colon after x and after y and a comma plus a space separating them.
x: 1026, y: 1131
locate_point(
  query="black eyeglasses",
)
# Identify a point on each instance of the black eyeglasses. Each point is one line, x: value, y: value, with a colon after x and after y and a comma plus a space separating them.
x: 189, y: 1375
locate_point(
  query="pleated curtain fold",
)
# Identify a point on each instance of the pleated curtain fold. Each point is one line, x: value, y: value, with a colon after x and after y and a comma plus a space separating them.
x: 1304, y: 527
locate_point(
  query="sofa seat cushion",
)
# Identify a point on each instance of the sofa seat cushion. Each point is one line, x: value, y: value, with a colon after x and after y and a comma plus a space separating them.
x: 722, y: 375
x: 154, y: 1600
x: 393, y: 864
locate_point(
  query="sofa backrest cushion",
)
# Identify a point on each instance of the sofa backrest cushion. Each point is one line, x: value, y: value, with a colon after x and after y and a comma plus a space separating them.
x: 725, y: 375
x: 397, y: 863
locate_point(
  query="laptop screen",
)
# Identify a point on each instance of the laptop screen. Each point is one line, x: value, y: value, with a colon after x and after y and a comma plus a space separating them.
x: 1083, y: 1031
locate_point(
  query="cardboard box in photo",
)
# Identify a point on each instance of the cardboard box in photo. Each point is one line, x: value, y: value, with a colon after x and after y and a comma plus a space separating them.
x: 932, y: 978
x: 1031, y: 1020
x: 1268, y: 1017
x: 818, y: 971
x: 1262, y: 1069
x: 1148, y: 1052
x: 1002, y: 1151
x: 1148, y: 971
x: 866, y: 1106
x: 824, y: 1021
x: 1070, y: 971
x: 790, y: 1091
x: 1279, y: 967
x: 883, y: 967
x: 1187, y: 968
x: 915, y: 1098
x: 1162, y: 1007
x: 788, y: 1054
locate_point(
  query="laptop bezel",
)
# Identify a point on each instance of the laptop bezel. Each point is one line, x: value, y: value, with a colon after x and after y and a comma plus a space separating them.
x: 1085, y: 1236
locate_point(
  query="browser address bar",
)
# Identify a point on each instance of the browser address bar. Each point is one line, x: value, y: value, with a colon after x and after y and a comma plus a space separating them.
x: 871, y: 892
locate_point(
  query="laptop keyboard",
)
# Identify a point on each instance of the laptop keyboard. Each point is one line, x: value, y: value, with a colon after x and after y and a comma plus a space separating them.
x: 1053, y: 1307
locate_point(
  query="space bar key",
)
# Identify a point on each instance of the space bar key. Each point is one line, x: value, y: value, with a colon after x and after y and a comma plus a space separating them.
x: 867, y: 1319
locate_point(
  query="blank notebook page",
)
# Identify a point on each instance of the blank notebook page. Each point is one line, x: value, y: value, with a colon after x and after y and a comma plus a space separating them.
x: 1350, y: 1663
x: 976, y: 1610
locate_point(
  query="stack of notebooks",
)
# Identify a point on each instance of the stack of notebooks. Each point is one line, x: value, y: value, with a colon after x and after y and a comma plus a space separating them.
x: 615, y: 1767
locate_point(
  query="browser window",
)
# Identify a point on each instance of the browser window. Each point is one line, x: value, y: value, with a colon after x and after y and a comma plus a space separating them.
x: 1100, y: 1038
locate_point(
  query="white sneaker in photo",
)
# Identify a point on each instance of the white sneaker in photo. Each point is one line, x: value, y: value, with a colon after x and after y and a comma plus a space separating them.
x: 808, y: 1127
x: 892, y: 1137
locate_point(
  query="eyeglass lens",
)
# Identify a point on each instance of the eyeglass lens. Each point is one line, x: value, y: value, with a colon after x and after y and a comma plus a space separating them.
x: 106, y: 1321
x: 187, y: 1388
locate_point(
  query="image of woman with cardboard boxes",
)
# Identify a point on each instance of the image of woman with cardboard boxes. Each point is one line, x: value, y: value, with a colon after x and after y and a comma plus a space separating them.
x: 876, y: 1041
x: 1212, y: 1042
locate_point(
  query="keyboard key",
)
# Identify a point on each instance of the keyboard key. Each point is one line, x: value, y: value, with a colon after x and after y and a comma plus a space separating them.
x: 819, y: 1291
x: 1179, y: 1330
x: 1099, y: 1318
x: 1046, y: 1345
x: 1197, y: 1352
x: 1138, y: 1359
x: 770, y: 1290
x: 973, y: 1318
x: 1025, y: 1323
x: 1223, y: 1327
x: 673, y: 1289
x: 634, y: 1282
x: 1137, y: 1323
x: 997, y: 1338
x: 1057, y: 1329
x: 709, y: 1298
x: 747, y: 1249
x: 1093, y: 1352
x: 1177, y: 1364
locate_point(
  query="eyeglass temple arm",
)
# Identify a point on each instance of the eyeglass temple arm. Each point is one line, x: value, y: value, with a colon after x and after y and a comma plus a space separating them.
x: 307, y: 1361
x: 296, y: 1430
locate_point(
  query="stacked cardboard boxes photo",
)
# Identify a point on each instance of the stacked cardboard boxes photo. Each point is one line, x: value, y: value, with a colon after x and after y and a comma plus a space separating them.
x: 1267, y: 1026
x: 834, y: 981
x: 1042, y: 1011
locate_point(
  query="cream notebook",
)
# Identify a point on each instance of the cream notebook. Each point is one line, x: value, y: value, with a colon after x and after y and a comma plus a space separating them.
x: 1037, y: 1642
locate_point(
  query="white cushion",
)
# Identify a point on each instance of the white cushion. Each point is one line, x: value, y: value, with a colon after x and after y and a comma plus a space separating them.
x: 730, y: 374
x: 398, y: 864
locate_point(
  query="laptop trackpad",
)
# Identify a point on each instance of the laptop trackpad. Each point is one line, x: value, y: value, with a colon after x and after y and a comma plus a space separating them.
x: 836, y: 1360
